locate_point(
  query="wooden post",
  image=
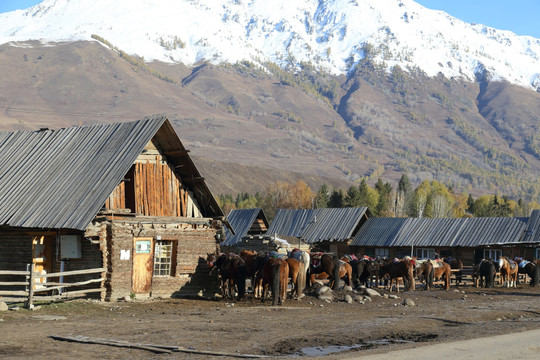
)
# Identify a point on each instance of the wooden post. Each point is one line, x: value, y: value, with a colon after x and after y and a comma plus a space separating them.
x: 31, y: 269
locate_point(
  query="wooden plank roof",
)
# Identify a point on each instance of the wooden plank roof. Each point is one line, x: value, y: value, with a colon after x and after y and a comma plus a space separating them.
x: 61, y: 178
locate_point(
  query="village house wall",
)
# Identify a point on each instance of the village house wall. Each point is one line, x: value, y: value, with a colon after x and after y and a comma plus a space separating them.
x: 189, y: 272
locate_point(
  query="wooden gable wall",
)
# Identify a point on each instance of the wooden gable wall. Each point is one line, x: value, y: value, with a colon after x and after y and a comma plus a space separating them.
x: 152, y: 188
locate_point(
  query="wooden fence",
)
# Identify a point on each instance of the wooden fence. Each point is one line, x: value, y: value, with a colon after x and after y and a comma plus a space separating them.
x: 37, y: 291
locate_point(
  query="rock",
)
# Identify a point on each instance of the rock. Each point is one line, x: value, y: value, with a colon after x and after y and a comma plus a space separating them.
x: 327, y: 296
x: 385, y: 296
x: 361, y: 302
x: 371, y: 293
x: 3, y: 306
x: 408, y: 302
x: 348, y: 288
x: 322, y: 290
x: 367, y: 298
x: 35, y: 308
x: 393, y: 296
x: 15, y: 308
x: 348, y: 299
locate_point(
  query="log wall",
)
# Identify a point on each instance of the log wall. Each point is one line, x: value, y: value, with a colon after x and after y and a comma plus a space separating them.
x: 152, y: 188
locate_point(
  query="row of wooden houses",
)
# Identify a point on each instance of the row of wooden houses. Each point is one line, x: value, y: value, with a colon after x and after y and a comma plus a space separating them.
x: 127, y: 201
x: 353, y: 231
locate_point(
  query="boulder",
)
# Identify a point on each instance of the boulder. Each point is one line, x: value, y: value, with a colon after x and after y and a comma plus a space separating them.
x: 371, y: 292
x: 3, y: 306
x: 408, y: 302
x: 348, y: 299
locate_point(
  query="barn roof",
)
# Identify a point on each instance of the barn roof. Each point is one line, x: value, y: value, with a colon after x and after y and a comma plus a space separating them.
x: 61, y: 178
x: 316, y: 225
x: 471, y: 232
x: 532, y: 234
x: 241, y: 221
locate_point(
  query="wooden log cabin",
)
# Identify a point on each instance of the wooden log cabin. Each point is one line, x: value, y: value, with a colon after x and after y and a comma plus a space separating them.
x: 125, y: 197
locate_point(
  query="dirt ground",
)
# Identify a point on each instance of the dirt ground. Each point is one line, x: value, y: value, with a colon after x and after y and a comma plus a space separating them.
x: 306, y: 328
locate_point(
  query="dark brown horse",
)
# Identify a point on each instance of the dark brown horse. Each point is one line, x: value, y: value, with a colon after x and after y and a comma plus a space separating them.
x: 486, y: 273
x: 232, y: 273
x: 360, y: 272
x: 345, y: 273
x: 329, y: 264
x: 530, y: 269
x: 275, y: 275
x: 249, y: 257
x: 398, y: 269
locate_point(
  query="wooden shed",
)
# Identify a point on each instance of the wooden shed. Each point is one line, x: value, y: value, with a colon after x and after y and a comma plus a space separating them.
x: 470, y: 239
x: 123, y: 197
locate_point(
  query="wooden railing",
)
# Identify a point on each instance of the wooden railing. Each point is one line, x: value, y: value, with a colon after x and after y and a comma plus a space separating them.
x: 37, y: 291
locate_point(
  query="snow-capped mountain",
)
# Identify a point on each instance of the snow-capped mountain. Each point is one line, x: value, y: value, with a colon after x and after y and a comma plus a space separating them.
x: 331, y: 34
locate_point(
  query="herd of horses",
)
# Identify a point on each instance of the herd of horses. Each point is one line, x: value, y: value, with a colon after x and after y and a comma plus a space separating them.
x: 276, y: 271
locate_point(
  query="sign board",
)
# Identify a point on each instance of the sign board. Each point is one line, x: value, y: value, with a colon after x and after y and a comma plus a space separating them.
x: 143, y: 247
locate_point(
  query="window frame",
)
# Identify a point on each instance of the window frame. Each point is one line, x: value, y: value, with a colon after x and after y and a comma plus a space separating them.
x: 172, y: 260
x: 497, y: 252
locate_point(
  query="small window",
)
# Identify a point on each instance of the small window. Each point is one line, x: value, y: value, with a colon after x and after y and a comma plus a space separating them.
x: 423, y: 253
x: 164, y: 258
x: 492, y: 254
x: 537, y: 256
x: 382, y: 253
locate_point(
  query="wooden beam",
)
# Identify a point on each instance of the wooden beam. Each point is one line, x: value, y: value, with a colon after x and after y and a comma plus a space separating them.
x: 176, y: 152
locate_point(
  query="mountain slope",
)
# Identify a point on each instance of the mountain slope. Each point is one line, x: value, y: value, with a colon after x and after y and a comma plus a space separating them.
x: 330, y: 118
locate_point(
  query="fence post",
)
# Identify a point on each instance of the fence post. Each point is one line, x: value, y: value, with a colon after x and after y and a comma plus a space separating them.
x: 30, y: 268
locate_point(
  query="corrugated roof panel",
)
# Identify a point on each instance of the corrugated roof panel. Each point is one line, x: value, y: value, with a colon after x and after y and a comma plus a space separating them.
x: 291, y: 222
x: 490, y: 231
x: 61, y: 178
x: 333, y: 224
x: 241, y: 221
x: 379, y: 232
x: 532, y: 234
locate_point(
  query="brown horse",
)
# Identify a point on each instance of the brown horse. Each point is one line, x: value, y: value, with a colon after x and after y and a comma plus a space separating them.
x: 425, y: 272
x: 398, y: 269
x: 249, y: 257
x: 345, y: 273
x: 232, y: 273
x: 509, y: 271
x: 456, y: 264
x: 297, y: 275
x: 275, y: 275
x: 442, y: 270
x: 329, y: 264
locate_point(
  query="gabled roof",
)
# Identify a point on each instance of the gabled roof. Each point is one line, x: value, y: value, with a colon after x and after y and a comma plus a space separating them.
x: 316, y: 225
x: 446, y: 232
x: 532, y: 234
x: 61, y: 178
x: 241, y: 221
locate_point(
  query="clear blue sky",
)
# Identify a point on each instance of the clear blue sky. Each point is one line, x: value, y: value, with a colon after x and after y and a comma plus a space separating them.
x: 519, y: 16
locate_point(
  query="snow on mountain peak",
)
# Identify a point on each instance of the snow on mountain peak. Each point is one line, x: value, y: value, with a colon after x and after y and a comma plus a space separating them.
x: 330, y: 34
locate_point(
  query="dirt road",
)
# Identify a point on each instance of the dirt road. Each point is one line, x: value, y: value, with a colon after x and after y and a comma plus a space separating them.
x: 522, y: 345
x: 307, y: 328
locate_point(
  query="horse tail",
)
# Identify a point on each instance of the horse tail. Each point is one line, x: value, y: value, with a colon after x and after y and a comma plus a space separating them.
x: 301, y: 281
x: 276, y: 267
x: 535, y: 280
x: 241, y: 280
x: 488, y: 278
x: 431, y: 277
x: 335, y: 273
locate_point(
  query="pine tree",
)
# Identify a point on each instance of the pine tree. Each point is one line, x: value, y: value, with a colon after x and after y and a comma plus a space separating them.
x: 322, y: 197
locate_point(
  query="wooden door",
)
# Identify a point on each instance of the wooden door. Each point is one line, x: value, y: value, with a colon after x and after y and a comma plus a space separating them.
x: 42, y: 256
x: 143, y: 265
